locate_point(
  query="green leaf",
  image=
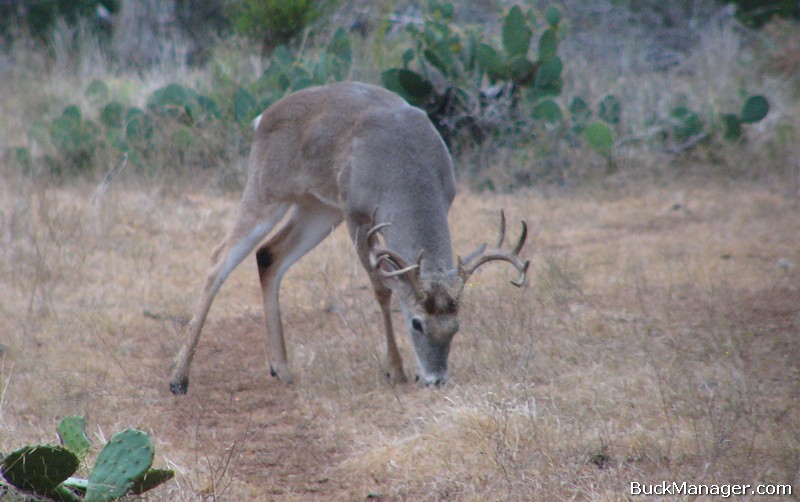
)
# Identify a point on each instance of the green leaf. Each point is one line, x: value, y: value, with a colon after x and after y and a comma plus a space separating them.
x: 549, y: 111
x: 754, y: 109
x: 600, y: 138
x: 516, y: 33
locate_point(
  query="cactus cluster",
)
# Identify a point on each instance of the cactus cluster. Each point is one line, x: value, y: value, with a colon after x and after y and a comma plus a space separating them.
x: 288, y: 73
x: 122, y: 467
x: 467, y: 63
x: 685, y: 124
x: 74, y: 137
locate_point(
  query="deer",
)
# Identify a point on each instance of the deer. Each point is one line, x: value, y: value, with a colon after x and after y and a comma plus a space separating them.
x: 358, y: 153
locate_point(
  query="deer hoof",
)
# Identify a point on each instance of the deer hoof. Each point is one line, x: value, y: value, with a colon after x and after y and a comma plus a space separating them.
x: 179, y: 387
x: 282, y: 373
x: 396, y: 377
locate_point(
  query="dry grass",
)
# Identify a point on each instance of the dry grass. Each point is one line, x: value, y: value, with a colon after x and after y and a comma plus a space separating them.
x: 656, y: 341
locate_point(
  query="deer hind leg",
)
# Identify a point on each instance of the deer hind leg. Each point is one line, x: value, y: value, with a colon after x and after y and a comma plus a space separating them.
x: 247, y: 232
x: 309, y: 223
x: 383, y: 295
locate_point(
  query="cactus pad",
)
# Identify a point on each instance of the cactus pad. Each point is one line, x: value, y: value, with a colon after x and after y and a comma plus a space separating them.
x: 553, y: 15
x: 72, y: 431
x: 39, y: 469
x: 124, y: 460
x: 516, y: 33
x: 754, y: 109
x: 151, y: 479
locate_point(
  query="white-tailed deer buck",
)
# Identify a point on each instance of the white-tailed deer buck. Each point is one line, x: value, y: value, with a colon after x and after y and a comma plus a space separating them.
x: 359, y: 153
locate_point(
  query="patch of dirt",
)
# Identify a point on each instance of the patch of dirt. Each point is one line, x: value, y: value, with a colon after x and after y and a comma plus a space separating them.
x: 265, y: 438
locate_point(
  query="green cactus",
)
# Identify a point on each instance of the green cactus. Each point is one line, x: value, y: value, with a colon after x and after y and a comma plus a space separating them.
x: 138, y: 126
x: 74, y: 138
x: 600, y: 138
x: 753, y: 110
x: 340, y: 54
x: 245, y: 105
x: 151, y: 479
x: 413, y: 87
x: 124, y: 460
x: 491, y: 61
x: 553, y: 15
x: 685, y: 123
x: 122, y: 467
x: 610, y: 109
x: 548, y: 111
x: 579, y: 114
x: 39, y: 469
x: 97, y: 91
x: 111, y: 115
x: 516, y: 33
x: 72, y: 431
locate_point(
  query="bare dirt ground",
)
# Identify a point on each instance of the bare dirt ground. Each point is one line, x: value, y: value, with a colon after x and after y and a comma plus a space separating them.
x: 657, y: 340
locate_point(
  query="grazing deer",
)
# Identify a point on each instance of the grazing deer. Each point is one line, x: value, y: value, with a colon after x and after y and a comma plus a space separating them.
x: 354, y: 152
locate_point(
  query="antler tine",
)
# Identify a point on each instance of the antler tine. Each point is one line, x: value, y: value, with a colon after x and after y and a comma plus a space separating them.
x: 376, y: 228
x: 481, y: 255
x: 394, y: 273
x: 378, y: 254
x: 502, y: 235
x: 522, y: 237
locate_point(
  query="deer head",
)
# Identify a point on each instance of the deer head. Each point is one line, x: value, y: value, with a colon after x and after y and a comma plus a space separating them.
x: 430, y: 301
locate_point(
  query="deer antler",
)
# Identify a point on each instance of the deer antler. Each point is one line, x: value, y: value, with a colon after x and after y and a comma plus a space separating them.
x: 480, y: 256
x: 378, y: 254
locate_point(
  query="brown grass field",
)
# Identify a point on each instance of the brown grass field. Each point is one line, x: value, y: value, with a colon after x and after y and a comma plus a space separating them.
x: 656, y: 341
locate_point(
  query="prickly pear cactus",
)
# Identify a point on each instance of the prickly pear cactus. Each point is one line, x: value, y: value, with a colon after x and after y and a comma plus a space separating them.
x: 72, y: 431
x: 151, y: 479
x: 39, y: 469
x: 754, y: 109
x: 124, y: 460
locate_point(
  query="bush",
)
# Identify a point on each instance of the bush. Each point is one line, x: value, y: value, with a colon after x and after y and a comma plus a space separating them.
x: 275, y: 22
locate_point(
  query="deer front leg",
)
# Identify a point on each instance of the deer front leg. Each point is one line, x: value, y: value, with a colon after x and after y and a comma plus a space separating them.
x: 395, y: 374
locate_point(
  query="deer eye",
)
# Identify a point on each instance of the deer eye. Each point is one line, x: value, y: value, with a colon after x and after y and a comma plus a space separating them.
x: 416, y: 323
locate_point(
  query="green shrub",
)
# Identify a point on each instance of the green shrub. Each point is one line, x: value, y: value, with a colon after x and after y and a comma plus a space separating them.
x: 275, y: 22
